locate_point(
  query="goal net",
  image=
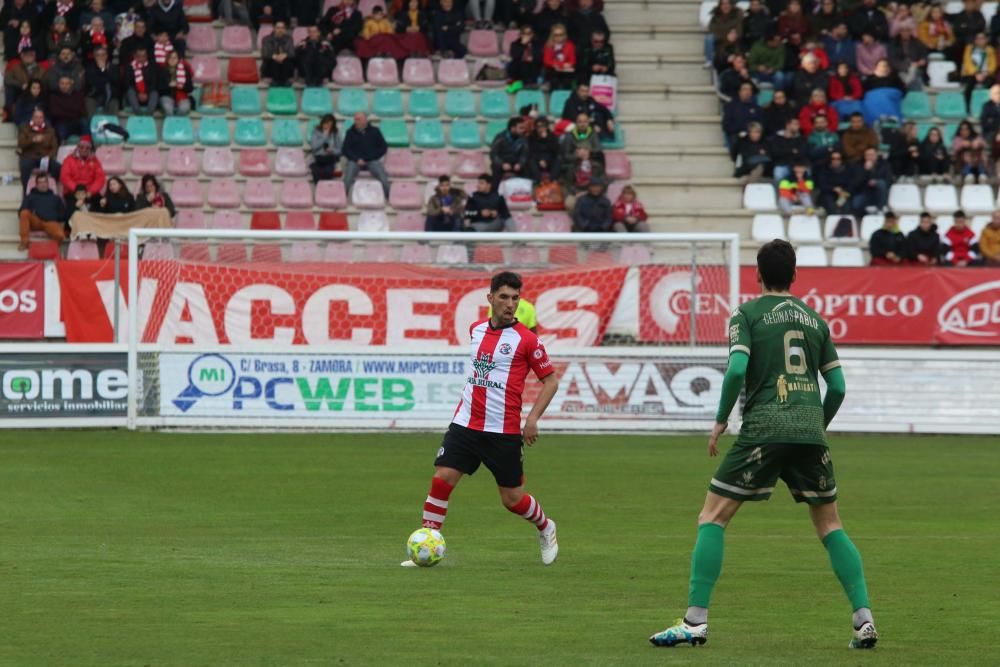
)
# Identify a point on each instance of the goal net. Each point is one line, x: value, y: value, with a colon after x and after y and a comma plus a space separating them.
x: 299, y: 329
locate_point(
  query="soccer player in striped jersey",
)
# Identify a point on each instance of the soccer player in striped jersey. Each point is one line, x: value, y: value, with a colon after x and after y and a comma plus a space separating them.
x: 486, y: 429
x: 777, y: 347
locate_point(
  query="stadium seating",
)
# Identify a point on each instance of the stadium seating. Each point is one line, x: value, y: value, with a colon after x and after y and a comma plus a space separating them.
x: 332, y: 221
x: 557, y: 101
x: 418, y: 72
x: 223, y: 193
x: 201, y: 38
x: 469, y: 164
x: 804, y: 229
x: 330, y: 194
x: 940, y: 199
x: 525, y: 97
x: 296, y: 193
x: 383, y: 72
x: 186, y: 193
x: 373, y: 221
x: 767, y: 228
x: 290, y: 162
x: 434, y: 163
x: 400, y: 163
x: 428, y: 134
x: 453, y: 73
x: 217, y: 161
x: 617, y: 165
x: 281, y: 101
x: 237, y: 39
x: 178, y: 131
x: 554, y: 222
x: 848, y: 256
x: 259, y: 193
x: 951, y: 106
x: 761, y: 197
x: 917, y: 106
x: 213, y: 131
x: 831, y: 223
x: 396, y: 132
x: 416, y: 253
x: 142, y: 130
x: 348, y: 72
x: 459, y: 103
x: 938, y: 71
x: 904, y: 198
x: 367, y: 193
x: 807, y: 256
x: 284, y: 132
x: 494, y: 104
x: 146, y: 160
x: 405, y: 195
x: 182, y: 161
x: 254, y: 162
x: 388, y: 103
x: 977, y: 199
x: 424, y: 103
x: 317, y: 102
x: 409, y: 221
x: 112, y: 159
x: 206, y: 69
x: 100, y: 136
x: 243, y: 70
x: 351, y: 101
x: 483, y: 43
x: 465, y: 134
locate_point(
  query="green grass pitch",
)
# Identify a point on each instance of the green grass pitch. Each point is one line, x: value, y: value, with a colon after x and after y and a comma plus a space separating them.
x: 235, y: 549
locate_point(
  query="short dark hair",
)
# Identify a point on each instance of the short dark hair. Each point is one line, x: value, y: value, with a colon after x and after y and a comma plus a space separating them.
x: 776, y: 264
x: 444, y: 178
x: 485, y: 177
x: 514, y: 122
x: 505, y: 279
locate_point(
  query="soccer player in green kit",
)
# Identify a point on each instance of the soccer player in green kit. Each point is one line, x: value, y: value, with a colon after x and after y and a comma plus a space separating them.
x: 777, y: 347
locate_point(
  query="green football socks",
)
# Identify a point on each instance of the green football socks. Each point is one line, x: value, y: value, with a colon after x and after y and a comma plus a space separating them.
x: 846, y: 562
x: 706, y: 564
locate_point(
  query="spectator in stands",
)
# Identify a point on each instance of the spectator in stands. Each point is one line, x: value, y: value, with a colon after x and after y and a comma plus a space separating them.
x: 808, y: 78
x: 989, y: 241
x: 65, y: 65
x: 67, y: 110
x: 543, y: 152
x: 553, y: 13
x: 904, y: 152
x: 923, y: 244
x: 139, y: 39
x: 61, y: 36
x: 101, y: 85
x: 413, y: 25
x: 278, y: 56
x: 887, y: 245
x: 884, y: 77
x: 844, y: 89
x: 822, y: 142
x: 526, y: 58
x: 628, y: 213
x: 582, y: 103
x: 757, y: 23
x: 979, y: 64
x: 737, y: 115
x: 871, y: 190
x: 509, y: 151
x: 817, y: 107
x: 315, y: 58
x: 788, y: 148
x: 725, y: 17
x: 581, y: 135
x: 481, y: 12
x: 908, y: 57
x: 795, y: 191
x: 559, y: 59
x: 326, y: 149
x: 364, y: 147
x: 585, y: 19
x: 37, y: 147
x: 767, y: 62
x: 342, y: 24
x: 27, y: 40
x: 934, y: 158
x: 176, y: 86
x: 97, y: 10
x: 935, y: 31
x: 169, y: 15
x: 115, y: 199
x: 597, y: 57
x: 858, y: 138
x: 839, y: 46
x: 151, y: 195
x: 958, y: 250
x: 486, y: 210
x: 734, y: 77
x: 269, y: 12
x: 142, y: 84
x: 447, y: 24
x: 969, y: 151
x: 792, y: 20
x: 726, y: 50
x: 868, y: 53
x: 41, y: 211
x: 836, y: 182
x: 869, y: 19
x: 19, y: 76
x: 82, y: 168
x: 579, y: 170
x: 233, y: 12
x: 592, y: 209
x: 814, y: 47
x: 445, y: 208
x: 777, y: 113
x: 93, y: 37
x: 377, y: 33
x: 989, y: 118
x: 515, y: 13
x: 753, y: 155
x: 966, y: 24
x: 162, y: 47
x: 28, y: 102
x: 826, y: 19
x: 902, y: 18
x: 13, y: 14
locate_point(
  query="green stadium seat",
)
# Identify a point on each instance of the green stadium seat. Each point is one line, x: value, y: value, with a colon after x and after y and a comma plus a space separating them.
x: 395, y: 131
x: 980, y: 96
x: 352, y: 100
x: 917, y: 105
x: 104, y: 137
x: 949, y: 131
x: 494, y: 103
x: 245, y: 100
x: 424, y: 103
x: 316, y: 102
x: 428, y: 134
x: 281, y: 101
x: 465, y: 133
x: 493, y: 128
x: 764, y: 98
x: 213, y: 131
x: 524, y: 97
x: 388, y: 103
x: 178, y: 131
x: 950, y: 106
x: 923, y: 129
x: 285, y: 132
x: 250, y: 132
x: 558, y: 100
x: 141, y: 130
x: 618, y: 142
x: 459, y: 103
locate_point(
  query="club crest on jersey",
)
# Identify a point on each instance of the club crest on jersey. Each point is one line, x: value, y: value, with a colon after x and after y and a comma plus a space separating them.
x: 539, y: 353
x: 505, y: 348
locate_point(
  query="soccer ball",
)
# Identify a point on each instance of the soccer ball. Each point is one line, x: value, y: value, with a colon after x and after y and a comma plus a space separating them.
x: 425, y: 547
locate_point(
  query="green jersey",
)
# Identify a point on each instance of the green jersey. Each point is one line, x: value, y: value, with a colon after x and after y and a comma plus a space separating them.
x: 789, y: 346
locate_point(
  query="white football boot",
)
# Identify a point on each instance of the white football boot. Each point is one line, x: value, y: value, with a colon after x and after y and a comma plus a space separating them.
x: 865, y: 636
x: 681, y: 633
x: 548, y: 543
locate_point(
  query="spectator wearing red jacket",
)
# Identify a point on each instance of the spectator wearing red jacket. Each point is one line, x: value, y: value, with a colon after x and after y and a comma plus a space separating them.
x: 817, y: 107
x: 628, y: 214
x: 814, y: 47
x: 960, y: 239
x: 82, y: 168
x: 559, y: 59
x: 845, y: 85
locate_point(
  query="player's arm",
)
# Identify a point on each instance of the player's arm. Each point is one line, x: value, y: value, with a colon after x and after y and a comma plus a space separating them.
x: 550, y: 385
x: 732, y: 384
x: 836, y: 386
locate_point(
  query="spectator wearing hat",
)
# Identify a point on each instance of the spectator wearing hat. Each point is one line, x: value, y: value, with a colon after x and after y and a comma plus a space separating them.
x: 37, y: 146
x: 20, y: 75
x: 445, y: 208
x: 67, y: 110
x: 960, y: 237
x: 486, y: 210
x: 82, y: 168
x: 858, y: 138
x: 817, y: 107
x: 871, y: 189
x: 41, y: 211
x: 923, y: 244
x: 989, y: 241
x: 887, y: 245
x: 592, y: 210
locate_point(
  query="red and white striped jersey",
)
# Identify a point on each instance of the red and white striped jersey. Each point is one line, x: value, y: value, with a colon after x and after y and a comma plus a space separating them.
x: 501, y: 359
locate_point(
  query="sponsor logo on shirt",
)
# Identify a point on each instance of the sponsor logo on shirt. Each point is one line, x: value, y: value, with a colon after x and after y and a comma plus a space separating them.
x: 481, y: 368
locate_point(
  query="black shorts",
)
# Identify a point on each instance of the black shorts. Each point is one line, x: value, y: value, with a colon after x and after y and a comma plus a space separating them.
x: 465, y: 449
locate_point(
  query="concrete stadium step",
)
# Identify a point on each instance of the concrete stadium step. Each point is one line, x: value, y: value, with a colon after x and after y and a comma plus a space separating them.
x: 667, y: 71
x: 671, y: 133
x: 685, y: 43
x: 651, y: 13
x: 666, y: 99
x: 679, y: 164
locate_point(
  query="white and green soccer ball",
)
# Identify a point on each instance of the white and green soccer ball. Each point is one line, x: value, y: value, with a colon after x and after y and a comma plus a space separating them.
x: 425, y: 547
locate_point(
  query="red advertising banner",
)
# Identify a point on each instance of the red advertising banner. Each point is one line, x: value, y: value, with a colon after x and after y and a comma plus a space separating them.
x: 317, y: 304
x: 22, y: 300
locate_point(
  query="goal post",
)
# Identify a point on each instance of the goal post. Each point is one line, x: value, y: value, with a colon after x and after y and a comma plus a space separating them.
x: 244, y: 329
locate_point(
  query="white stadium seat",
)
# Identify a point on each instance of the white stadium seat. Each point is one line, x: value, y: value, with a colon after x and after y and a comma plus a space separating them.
x: 804, y: 229
x: 940, y: 198
x: 831, y: 224
x: 847, y: 256
x: 869, y: 224
x: 907, y: 223
x: 977, y: 199
x: 760, y: 197
x: 767, y: 228
x: 905, y: 198
x: 810, y: 255
x: 944, y: 223
x: 979, y: 223
x: 938, y: 71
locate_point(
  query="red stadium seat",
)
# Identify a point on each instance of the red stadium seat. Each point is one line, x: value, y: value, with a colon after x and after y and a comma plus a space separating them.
x: 300, y: 221
x: 82, y: 250
x: 201, y: 38
x: 488, y: 254
x: 254, y: 162
x: 265, y: 220
x: 332, y: 221
x: 243, y: 70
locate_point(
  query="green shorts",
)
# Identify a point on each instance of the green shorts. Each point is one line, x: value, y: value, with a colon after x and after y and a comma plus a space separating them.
x: 749, y: 472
